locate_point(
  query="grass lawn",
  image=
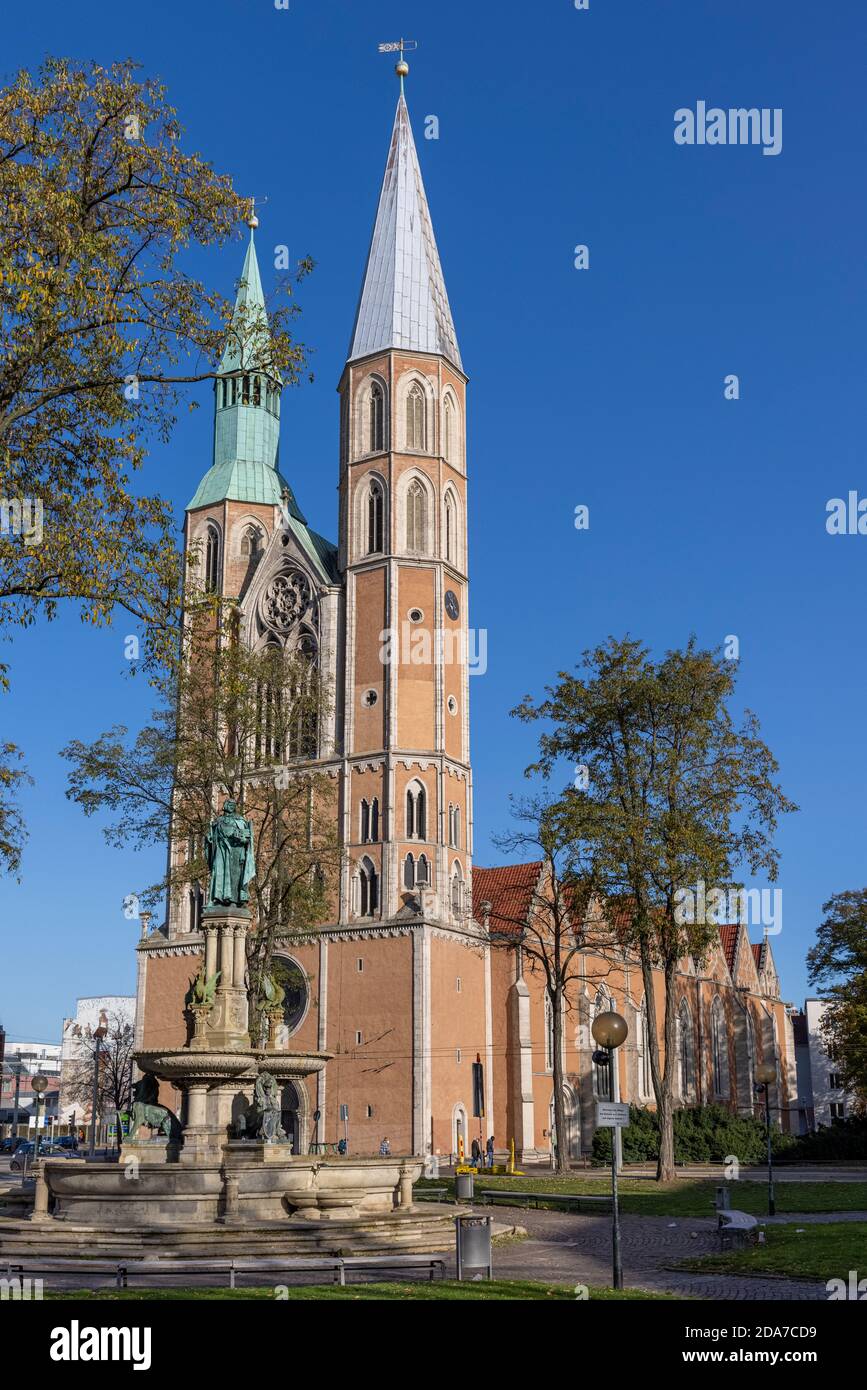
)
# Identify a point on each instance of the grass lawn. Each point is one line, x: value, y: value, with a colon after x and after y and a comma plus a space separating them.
x: 437, y: 1290
x: 809, y: 1252
x: 643, y: 1197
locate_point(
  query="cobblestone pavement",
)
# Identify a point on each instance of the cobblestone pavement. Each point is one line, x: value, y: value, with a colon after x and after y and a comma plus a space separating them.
x: 569, y: 1248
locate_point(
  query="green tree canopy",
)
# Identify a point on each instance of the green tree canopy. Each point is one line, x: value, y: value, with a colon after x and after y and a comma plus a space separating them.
x: 666, y: 792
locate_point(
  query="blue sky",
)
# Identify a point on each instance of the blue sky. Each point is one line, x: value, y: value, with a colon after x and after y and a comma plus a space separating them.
x: 602, y: 387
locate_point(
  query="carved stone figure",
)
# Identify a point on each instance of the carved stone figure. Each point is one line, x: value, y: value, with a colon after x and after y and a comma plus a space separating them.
x: 231, y: 859
x: 266, y: 1097
x: 202, y: 989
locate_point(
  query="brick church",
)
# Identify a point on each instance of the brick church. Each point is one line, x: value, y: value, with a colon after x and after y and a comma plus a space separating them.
x: 404, y: 987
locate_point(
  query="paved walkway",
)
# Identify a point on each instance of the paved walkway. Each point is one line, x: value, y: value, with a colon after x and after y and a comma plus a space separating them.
x: 568, y: 1247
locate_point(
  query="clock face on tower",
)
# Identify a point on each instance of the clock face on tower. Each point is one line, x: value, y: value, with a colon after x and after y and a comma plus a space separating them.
x: 452, y: 605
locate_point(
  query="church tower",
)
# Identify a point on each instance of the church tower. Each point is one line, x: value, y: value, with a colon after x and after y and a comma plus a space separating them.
x: 407, y: 807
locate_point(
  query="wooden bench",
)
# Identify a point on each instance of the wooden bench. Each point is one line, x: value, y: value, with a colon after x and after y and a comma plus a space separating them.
x: 429, y: 1194
x: 570, y: 1200
x: 736, y: 1229
x: 124, y: 1270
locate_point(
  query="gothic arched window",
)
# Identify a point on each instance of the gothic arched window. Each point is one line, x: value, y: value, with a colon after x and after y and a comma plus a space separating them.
x: 224, y: 392
x: 269, y: 721
x: 457, y: 893
x: 416, y: 516
x: 415, y: 419
x: 364, y: 835
x: 416, y: 812
x: 645, y: 1076
x: 374, y: 819
x: 409, y: 872
x: 376, y: 419
x: 369, y: 887
x: 449, y: 524
x: 197, y: 902
x: 448, y: 428
x: 719, y: 1044
x: 601, y: 1070
x: 457, y: 840
x: 375, y: 512
x: 303, y: 732
x: 422, y: 871
x: 251, y: 543
x: 685, y: 1059
x: 212, y: 560
x: 257, y: 391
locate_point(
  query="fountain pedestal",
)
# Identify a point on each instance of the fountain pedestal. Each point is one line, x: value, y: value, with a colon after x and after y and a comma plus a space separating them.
x: 225, y: 1027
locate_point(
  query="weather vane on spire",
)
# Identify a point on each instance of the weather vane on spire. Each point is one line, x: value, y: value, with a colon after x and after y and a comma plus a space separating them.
x: 252, y: 219
x: 402, y: 46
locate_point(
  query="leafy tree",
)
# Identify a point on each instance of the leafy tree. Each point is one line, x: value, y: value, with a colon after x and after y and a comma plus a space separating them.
x: 101, y: 328
x: 675, y: 795
x: 114, y: 1046
x: 13, y: 832
x: 233, y: 723
x: 838, y: 964
x: 553, y: 936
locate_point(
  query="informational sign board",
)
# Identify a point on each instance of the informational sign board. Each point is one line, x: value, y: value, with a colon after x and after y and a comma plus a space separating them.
x: 612, y: 1113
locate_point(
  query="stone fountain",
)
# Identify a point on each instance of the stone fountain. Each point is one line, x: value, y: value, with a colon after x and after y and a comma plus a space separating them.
x: 222, y: 1179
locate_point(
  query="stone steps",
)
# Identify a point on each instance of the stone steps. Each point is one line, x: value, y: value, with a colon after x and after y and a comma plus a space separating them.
x: 430, y: 1230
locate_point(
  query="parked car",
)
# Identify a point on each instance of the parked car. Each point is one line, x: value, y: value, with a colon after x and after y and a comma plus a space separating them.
x: 47, y: 1149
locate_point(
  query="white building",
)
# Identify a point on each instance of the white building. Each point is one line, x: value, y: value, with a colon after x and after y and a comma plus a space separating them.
x: 820, y: 1092
x: 99, y: 1011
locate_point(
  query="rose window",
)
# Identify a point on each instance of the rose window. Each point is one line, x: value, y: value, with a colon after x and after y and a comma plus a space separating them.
x: 287, y: 597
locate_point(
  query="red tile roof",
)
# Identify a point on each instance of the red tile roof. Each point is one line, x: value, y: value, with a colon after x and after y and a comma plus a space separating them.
x: 757, y: 949
x: 509, y: 890
x: 728, y: 936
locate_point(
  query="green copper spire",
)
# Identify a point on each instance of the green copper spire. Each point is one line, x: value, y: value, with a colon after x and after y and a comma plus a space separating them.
x: 247, y: 408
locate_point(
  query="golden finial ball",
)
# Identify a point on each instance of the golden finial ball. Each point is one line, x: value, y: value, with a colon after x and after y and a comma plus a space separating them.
x: 402, y: 68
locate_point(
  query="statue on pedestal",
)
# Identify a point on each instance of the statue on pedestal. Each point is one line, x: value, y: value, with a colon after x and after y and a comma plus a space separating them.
x: 231, y: 859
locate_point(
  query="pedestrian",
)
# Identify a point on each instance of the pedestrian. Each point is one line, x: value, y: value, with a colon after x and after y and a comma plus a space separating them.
x: 489, y: 1151
x: 385, y: 1148
x: 476, y: 1154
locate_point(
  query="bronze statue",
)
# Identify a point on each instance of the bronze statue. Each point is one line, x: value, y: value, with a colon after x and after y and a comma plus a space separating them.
x: 146, y: 1110
x: 231, y: 859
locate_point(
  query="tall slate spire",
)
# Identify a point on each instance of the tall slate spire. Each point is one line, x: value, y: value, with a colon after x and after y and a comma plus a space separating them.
x: 403, y: 300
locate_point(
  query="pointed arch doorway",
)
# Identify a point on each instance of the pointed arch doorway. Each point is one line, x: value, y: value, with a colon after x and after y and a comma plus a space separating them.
x: 573, y: 1121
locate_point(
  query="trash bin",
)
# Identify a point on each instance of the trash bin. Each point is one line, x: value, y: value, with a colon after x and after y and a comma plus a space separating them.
x: 723, y: 1199
x: 473, y: 1244
x: 464, y: 1187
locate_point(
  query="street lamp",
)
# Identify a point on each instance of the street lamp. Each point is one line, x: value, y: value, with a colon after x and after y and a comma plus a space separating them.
x: 766, y: 1075
x: 38, y: 1085
x: 98, y: 1035
x: 610, y: 1031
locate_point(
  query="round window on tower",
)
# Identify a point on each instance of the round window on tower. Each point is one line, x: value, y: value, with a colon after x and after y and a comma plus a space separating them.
x: 452, y: 705
x: 415, y: 615
x: 369, y: 698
